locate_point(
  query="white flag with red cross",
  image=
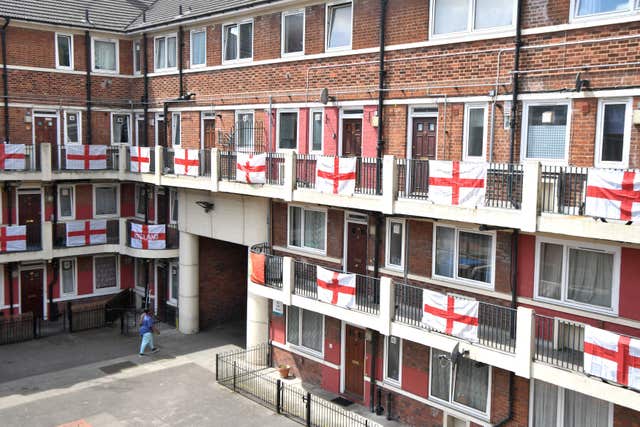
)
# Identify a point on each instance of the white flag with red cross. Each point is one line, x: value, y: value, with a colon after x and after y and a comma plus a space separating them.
x: 613, y: 194
x: 251, y: 168
x: 148, y: 236
x: 336, y: 175
x: 451, y: 315
x: 611, y: 356
x: 140, y: 159
x: 13, y: 238
x: 87, y: 232
x: 86, y: 157
x: 457, y: 183
x: 12, y: 157
x: 186, y: 161
x: 336, y: 288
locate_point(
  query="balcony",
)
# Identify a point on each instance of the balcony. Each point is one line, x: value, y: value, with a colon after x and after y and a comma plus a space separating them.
x: 165, y: 239
x: 78, y: 165
x: 368, y: 172
x: 202, y: 161
x: 140, y: 162
x: 61, y: 240
x: 274, y: 167
x: 272, y: 267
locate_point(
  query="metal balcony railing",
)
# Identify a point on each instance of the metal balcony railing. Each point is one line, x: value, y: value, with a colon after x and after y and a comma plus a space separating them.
x: 274, y: 166
x: 13, y: 241
x: 31, y: 160
x: 204, y: 158
x: 273, y: 265
x: 368, y: 173
x: 59, y: 159
x: 563, y: 190
x: 60, y: 234
x: 152, y: 160
x: 559, y: 342
x: 172, y: 234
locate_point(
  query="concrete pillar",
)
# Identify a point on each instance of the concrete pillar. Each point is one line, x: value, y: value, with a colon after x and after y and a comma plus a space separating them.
x: 389, y: 183
x: 289, y: 175
x: 530, y: 184
x: 525, y: 334
x: 387, y: 305
x: 288, y: 273
x: 215, y: 169
x: 45, y: 161
x: 188, y: 302
x: 257, y: 320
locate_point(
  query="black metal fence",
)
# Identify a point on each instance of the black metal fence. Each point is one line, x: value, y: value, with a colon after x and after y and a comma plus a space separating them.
x: 16, y: 328
x: 274, y: 171
x: 31, y: 160
x: 204, y: 162
x: 60, y: 234
x: 368, y: 173
x: 273, y: 265
x: 167, y: 161
x: 243, y: 136
x: 33, y: 239
x: 306, y: 170
x: 59, y: 158
x: 152, y: 160
x: 559, y: 342
x: 563, y: 190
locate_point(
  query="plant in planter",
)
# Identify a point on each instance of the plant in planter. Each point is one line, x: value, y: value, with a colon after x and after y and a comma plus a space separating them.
x: 284, y: 371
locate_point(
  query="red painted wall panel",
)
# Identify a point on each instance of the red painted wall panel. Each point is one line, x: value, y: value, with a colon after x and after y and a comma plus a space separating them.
x: 127, y: 200
x: 331, y: 123
x: 330, y: 379
x: 126, y: 272
x: 526, y: 265
x: 303, y: 131
x: 278, y: 325
x: 84, y: 201
x: 369, y: 133
x: 415, y: 381
x: 629, y: 289
x: 85, y: 275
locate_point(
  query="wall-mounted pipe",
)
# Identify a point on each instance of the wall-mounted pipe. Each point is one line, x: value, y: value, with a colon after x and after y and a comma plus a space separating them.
x: 514, y: 89
x: 381, y: 77
x: 180, y: 60
x: 87, y: 43
x: 145, y: 96
x: 5, y: 77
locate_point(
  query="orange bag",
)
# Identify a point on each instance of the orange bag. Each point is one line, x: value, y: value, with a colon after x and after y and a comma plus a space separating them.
x: 257, y: 262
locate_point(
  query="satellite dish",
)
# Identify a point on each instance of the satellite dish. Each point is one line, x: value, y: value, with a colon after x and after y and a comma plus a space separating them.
x: 324, y: 96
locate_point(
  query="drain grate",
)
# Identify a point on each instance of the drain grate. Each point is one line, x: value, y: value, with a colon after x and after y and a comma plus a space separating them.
x: 342, y: 401
x: 117, y: 367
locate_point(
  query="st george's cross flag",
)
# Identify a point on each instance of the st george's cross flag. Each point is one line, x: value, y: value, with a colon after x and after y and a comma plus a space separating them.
x: 86, y: 157
x: 251, y: 168
x: 336, y: 175
x: 613, y: 194
x: 12, y: 157
x: 336, y: 288
x: 186, y: 161
x: 13, y: 238
x: 140, y: 158
x: 457, y: 183
x: 451, y: 315
x: 148, y: 236
x: 611, y: 356
x: 87, y: 232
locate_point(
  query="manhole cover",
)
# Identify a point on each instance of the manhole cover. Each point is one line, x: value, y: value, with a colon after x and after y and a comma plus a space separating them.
x: 117, y: 367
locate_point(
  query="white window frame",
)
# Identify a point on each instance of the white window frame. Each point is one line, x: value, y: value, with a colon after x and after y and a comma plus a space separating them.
x: 470, y: 32
x: 165, y: 66
x: 283, y: 35
x: 72, y: 189
x: 386, y: 379
x: 129, y: 128
x: 253, y: 39
x: 136, y: 267
x: 116, y: 42
x: 326, y: 26
x: 137, y: 58
x: 75, y: 278
x: 253, y: 124
x: 287, y: 111
x: 176, y: 118
x: 452, y: 384
x: 304, y: 248
x: 93, y: 190
x: 311, y: 114
x: 634, y: 8
x: 191, y: 33
x: 299, y: 346
x: 525, y: 125
x: 465, y: 138
x: 572, y: 244
x: 455, y: 277
x: 158, y: 120
x: 71, y: 50
x: 628, y: 118
x: 110, y: 289
x: 136, y: 196
x: 173, y: 195
x: 173, y: 299
x: 79, y: 125
x: 387, y: 248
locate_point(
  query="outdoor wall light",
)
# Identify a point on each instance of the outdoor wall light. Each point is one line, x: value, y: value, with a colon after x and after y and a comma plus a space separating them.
x: 207, y: 206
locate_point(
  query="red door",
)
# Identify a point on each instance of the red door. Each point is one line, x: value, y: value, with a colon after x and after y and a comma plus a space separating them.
x: 31, y: 291
x: 352, y: 137
x: 209, y: 131
x: 357, y: 248
x: 30, y: 214
x: 354, y: 362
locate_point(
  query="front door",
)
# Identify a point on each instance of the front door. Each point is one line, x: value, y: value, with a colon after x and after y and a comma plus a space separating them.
x: 162, y: 212
x: 140, y: 136
x: 209, y: 132
x: 352, y: 137
x: 161, y: 133
x: 357, y: 248
x: 31, y: 291
x: 30, y: 214
x: 46, y: 130
x: 354, y: 362
x: 423, y: 141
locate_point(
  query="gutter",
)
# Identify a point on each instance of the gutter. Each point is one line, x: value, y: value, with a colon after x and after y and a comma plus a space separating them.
x: 87, y: 43
x: 5, y: 77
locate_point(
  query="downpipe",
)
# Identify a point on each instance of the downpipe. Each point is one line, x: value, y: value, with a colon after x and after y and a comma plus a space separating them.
x: 87, y: 43
x: 5, y: 77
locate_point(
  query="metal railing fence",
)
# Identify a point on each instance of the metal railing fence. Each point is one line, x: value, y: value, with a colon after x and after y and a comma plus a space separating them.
x: 563, y: 189
x: 59, y: 159
x: 274, y: 166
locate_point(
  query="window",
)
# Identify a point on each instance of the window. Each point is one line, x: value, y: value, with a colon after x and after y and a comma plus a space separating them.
x: 315, y: 133
x: 475, y: 118
x: 105, y: 272
x: 173, y: 196
x: 578, y: 274
x: 120, y: 128
x: 613, y: 133
x: 140, y: 266
x: 588, y: 8
x: 176, y: 132
x: 547, y: 132
x: 307, y: 228
x: 237, y: 41
x: 393, y: 359
x: 174, y: 287
x: 305, y: 329
x: 198, y: 48
x: 464, y: 255
x: 105, y: 55
x: 66, y: 206
x: 68, y: 276
x: 141, y: 198
x: 244, y: 131
x: 466, y: 385
x: 555, y: 406
x: 395, y: 243
x: 105, y: 200
x: 293, y: 32
x: 64, y: 51
x: 72, y: 127
x: 137, y: 57
x: 468, y: 16
x: 166, y: 53
x: 159, y: 129
x: 287, y: 130
x: 339, y: 23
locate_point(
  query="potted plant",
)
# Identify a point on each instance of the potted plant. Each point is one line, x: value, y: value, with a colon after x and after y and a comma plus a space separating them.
x: 284, y: 371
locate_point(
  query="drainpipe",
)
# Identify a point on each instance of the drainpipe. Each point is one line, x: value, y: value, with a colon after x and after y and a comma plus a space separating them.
x: 7, y: 191
x: 514, y: 97
x: 374, y: 334
x: 145, y: 96
x: 87, y: 43
x: 164, y: 123
x: 5, y: 77
x: 180, y: 60
x: 381, y: 76
x: 54, y: 263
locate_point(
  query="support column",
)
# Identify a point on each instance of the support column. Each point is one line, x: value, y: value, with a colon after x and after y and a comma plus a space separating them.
x: 188, y: 302
x: 257, y: 320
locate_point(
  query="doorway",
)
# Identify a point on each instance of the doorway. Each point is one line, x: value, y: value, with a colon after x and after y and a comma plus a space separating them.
x: 354, y: 362
x: 45, y: 130
x: 32, y: 291
x: 208, y: 130
x: 351, y: 137
x: 423, y: 138
x: 30, y: 214
x: 356, y: 253
x: 161, y: 131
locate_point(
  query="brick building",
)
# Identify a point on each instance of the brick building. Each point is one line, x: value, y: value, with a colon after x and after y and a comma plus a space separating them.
x: 541, y: 97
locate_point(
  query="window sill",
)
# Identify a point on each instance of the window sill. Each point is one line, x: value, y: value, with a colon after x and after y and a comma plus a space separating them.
x: 577, y: 306
x: 237, y: 61
x: 302, y: 351
x: 468, y: 36
x: 462, y: 408
x: 59, y: 67
x: 469, y: 283
x: 303, y: 253
x: 338, y: 49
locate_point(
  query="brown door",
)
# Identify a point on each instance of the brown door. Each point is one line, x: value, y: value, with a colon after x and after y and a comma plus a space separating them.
x: 423, y: 144
x: 209, y: 130
x: 162, y: 133
x: 354, y: 362
x: 46, y: 130
x: 140, y: 133
x: 162, y: 214
x: 30, y: 214
x: 352, y: 137
x: 31, y: 291
x: 357, y: 248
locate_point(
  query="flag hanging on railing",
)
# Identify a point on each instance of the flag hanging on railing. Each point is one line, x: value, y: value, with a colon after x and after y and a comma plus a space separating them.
x: 451, y: 315
x: 336, y: 288
x: 251, y: 168
x: 87, y: 232
x: 12, y: 157
x: 148, y: 236
x: 457, y: 183
x: 13, y: 238
x: 140, y: 159
x: 257, y: 266
x: 186, y: 161
x: 611, y: 356
x: 613, y: 194
x: 86, y: 157
x: 336, y: 175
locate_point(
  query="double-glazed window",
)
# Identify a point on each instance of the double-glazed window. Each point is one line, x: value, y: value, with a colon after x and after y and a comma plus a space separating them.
x: 198, y: 48
x: 166, y: 53
x: 120, y: 128
x: 475, y: 118
x: 555, y: 406
x: 137, y: 57
x: 469, y: 16
x: 393, y: 359
x: 68, y: 277
x: 588, y: 8
x: 305, y: 329
x: 287, y: 130
x: 578, y: 274
x: 176, y: 126
x: 315, y: 131
x: 307, y: 228
x: 237, y: 41
x: 66, y: 202
x: 464, y: 255
x: 105, y: 272
x: 395, y: 243
x: 72, y: 127
x: 105, y: 200
x: 293, y: 32
x: 105, y: 55
x: 64, y: 51
x: 547, y: 132
x: 613, y: 133
x: 339, y: 23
